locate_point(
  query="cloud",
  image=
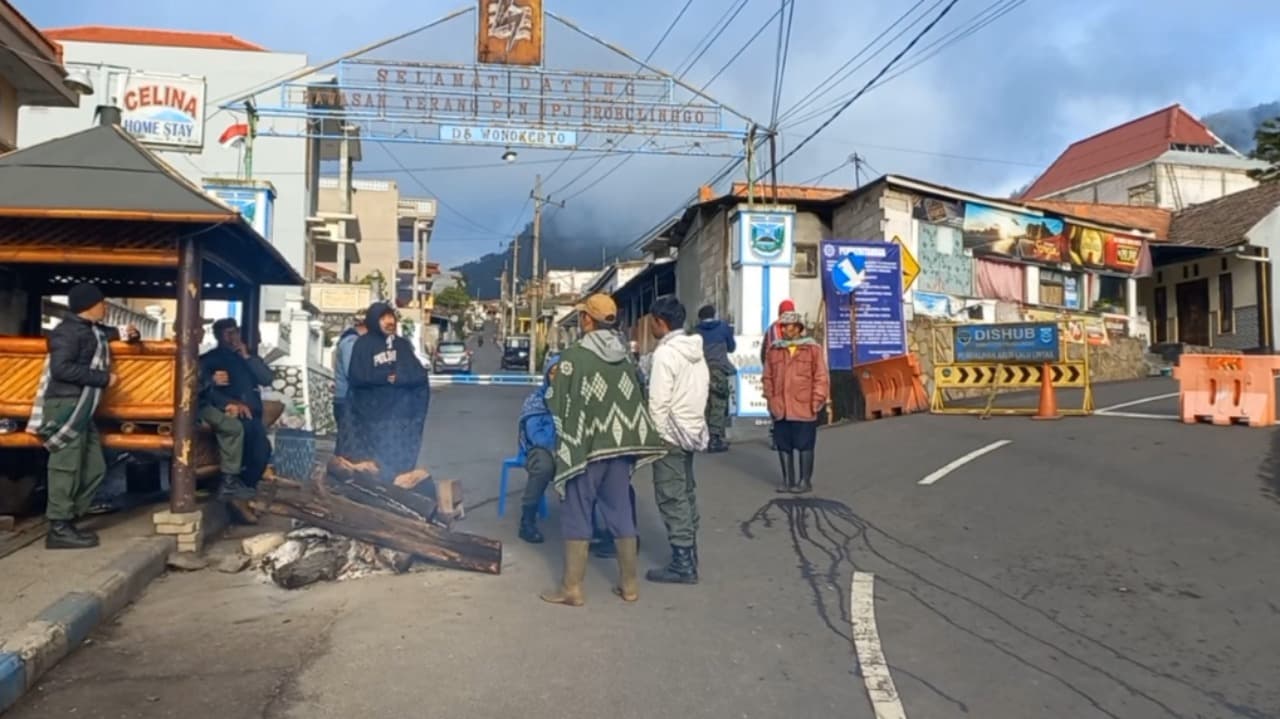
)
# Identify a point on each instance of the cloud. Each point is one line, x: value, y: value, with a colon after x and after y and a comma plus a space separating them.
x: 1016, y: 92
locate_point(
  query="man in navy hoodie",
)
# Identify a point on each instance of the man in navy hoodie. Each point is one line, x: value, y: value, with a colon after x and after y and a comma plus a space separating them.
x: 717, y: 345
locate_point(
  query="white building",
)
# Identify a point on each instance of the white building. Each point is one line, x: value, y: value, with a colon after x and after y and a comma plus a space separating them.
x: 188, y: 75
x: 1167, y: 159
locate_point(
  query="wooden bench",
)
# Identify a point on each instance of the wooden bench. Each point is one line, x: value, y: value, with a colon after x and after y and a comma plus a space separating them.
x: 134, y: 413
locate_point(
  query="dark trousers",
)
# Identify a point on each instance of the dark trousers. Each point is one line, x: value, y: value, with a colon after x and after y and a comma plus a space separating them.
x: 257, y: 451
x: 606, y: 482
x: 541, y: 468
x: 342, y: 420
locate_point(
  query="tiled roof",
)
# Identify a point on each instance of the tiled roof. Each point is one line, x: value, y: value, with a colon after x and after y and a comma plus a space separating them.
x: 145, y: 36
x: 1152, y: 219
x: 1123, y: 147
x: 790, y: 193
x: 1225, y: 221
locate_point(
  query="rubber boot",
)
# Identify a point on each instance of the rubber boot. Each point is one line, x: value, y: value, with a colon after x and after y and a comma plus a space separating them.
x: 806, y: 473
x: 529, y: 525
x: 64, y: 535
x: 575, y: 570
x: 681, y: 569
x: 788, y: 460
x: 628, y: 559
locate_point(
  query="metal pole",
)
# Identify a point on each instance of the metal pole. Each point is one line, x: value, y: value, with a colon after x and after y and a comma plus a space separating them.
x: 190, y: 331
x: 417, y: 281
x: 426, y: 271
x: 515, y: 286
x: 535, y: 312
x: 773, y: 160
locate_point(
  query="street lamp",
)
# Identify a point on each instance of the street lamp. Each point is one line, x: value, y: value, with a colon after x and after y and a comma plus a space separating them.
x: 509, y: 156
x: 78, y: 81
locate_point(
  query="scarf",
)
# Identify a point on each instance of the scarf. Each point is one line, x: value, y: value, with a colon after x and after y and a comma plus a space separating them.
x: 59, y: 432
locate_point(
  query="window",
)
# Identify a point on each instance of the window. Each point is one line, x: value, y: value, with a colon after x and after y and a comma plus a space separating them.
x: 806, y: 261
x: 1112, y: 294
x: 1059, y: 289
x: 272, y: 315
x: 1162, y: 314
x: 1226, y: 305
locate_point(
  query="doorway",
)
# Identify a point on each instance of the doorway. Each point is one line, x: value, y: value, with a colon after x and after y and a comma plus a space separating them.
x: 1193, y: 312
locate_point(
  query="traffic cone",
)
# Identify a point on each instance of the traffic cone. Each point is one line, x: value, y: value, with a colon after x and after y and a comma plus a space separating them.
x: 1048, y: 399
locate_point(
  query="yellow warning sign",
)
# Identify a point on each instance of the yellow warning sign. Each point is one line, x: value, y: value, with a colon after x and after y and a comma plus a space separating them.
x: 910, y: 268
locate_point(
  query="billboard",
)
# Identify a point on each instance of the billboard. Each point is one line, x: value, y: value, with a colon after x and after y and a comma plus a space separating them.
x: 163, y: 111
x: 510, y: 33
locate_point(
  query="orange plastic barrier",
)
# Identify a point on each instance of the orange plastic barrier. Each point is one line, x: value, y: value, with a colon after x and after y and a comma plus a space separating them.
x: 1228, y: 389
x: 892, y: 386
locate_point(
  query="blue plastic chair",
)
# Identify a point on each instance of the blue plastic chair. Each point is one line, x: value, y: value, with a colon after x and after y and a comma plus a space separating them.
x: 508, y: 464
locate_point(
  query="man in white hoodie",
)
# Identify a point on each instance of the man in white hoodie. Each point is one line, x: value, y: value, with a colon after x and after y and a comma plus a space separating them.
x: 679, y: 382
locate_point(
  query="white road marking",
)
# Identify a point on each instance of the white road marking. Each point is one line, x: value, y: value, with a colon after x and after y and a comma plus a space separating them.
x: 866, y: 642
x: 1138, y: 415
x: 1144, y: 400
x: 953, y: 466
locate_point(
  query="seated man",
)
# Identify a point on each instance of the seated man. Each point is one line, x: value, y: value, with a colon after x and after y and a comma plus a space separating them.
x: 537, y: 435
x: 231, y: 404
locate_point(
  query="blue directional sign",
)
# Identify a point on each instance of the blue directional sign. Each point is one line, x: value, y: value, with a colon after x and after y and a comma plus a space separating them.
x: 848, y: 273
x: 1020, y: 342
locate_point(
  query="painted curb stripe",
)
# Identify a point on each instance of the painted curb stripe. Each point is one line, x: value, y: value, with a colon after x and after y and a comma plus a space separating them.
x: 13, y: 681
x: 77, y: 613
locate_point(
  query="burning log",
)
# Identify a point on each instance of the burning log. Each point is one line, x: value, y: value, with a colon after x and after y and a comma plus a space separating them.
x: 360, y: 483
x: 385, y: 521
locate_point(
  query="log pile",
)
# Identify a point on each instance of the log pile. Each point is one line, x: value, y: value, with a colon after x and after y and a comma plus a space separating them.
x: 353, y: 521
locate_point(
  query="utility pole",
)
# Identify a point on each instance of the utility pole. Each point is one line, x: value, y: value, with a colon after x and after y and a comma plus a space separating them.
x: 535, y: 312
x: 515, y: 286
x: 856, y: 159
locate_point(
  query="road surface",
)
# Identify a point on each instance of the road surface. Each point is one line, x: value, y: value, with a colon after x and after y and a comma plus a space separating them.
x: 1100, y: 567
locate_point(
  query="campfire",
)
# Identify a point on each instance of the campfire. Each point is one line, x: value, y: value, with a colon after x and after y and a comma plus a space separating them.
x: 349, y: 523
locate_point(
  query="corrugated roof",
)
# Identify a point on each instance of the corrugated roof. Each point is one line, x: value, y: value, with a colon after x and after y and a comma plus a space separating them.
x: 148, y: 36
x: 1122, y: 147
x: 100, y: 170
x: 1151, y: 219
x: 1224, y: 222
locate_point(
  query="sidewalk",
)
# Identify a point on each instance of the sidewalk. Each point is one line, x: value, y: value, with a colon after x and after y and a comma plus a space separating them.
x: 52, y: 599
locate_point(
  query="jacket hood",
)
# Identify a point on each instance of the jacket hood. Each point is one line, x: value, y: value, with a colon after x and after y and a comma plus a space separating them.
x: 607, y: 345
x: 375, y: 313
x: 688, y: 345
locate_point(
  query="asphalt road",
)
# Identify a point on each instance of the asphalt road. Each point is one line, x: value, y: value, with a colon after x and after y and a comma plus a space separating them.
x: 1093, y: 567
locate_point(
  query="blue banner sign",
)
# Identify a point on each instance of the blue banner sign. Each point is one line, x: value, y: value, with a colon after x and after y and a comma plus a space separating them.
x: 877, y: 293
x: 1021, y: 342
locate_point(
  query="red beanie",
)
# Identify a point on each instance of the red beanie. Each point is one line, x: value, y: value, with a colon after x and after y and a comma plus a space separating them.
x: 786, y: 306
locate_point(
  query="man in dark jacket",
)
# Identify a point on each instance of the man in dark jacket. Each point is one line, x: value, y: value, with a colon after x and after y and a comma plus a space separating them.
x: 342, y: 387
x: 231, y: 404
x: 76, y: 376
x: 717, y: 345
x: 389, y: 396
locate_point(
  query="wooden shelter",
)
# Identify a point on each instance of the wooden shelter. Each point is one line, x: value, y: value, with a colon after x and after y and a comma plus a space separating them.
x: 98, y: 207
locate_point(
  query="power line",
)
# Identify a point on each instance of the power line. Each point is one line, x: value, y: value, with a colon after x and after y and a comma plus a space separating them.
x: 866, y: 87
x: 780, y: 62
x: 932, y: 153
x: 818, y: 89
x: 443, y: 203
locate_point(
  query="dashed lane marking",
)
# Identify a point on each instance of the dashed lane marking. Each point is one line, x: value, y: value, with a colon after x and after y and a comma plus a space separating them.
x: 958, y: 463
x: 866, y: 643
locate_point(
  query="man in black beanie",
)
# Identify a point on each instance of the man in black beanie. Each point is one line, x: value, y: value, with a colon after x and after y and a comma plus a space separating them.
x: 231, y: 404
x: 76, y: 375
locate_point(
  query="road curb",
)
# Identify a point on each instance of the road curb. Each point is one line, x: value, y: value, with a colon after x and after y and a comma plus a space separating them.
x: 34, y: 649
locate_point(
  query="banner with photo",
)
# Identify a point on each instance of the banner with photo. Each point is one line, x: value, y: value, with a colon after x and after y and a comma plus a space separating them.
x: 939, y: 212
x: 992, y: 231
x: 1091, y: 247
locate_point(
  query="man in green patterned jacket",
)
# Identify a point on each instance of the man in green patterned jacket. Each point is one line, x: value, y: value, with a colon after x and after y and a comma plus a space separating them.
x: 603, y: 431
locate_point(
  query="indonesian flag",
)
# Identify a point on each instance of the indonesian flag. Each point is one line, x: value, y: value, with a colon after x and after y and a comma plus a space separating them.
x: 235, y: 135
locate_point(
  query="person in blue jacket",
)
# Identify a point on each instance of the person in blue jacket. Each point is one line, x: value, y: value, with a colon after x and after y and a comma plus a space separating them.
x: 717, y: 345
x: 342, y: 385
x: 537, y: 432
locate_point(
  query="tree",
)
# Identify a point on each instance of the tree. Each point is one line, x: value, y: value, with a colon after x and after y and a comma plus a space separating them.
x: 1267, y: 148
x: 452, y: 298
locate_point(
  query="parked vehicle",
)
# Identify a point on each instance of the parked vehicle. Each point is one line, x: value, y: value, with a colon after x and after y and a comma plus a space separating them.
x: 515, y: 353
x: 452, y: 357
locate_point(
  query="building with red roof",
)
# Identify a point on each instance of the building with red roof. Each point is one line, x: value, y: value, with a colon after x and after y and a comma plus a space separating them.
x: 1167, y: 159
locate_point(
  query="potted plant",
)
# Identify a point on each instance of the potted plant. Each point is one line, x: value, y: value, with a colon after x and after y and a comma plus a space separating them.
x: 295, y: 445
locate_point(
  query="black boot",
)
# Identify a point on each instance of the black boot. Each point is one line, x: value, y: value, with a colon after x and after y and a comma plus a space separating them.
x: 529, y: 525
x: 232, y: 488
x: 788, y: 461
x: 64, y: 535
x: 717, y: 445
x: 806, y: 473
x: 681, y: 570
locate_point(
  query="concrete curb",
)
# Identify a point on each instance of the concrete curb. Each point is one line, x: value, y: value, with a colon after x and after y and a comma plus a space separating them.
x: 33, y: 650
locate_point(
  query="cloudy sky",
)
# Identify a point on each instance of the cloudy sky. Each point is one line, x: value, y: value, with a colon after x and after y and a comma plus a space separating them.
x: 986, y: 112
